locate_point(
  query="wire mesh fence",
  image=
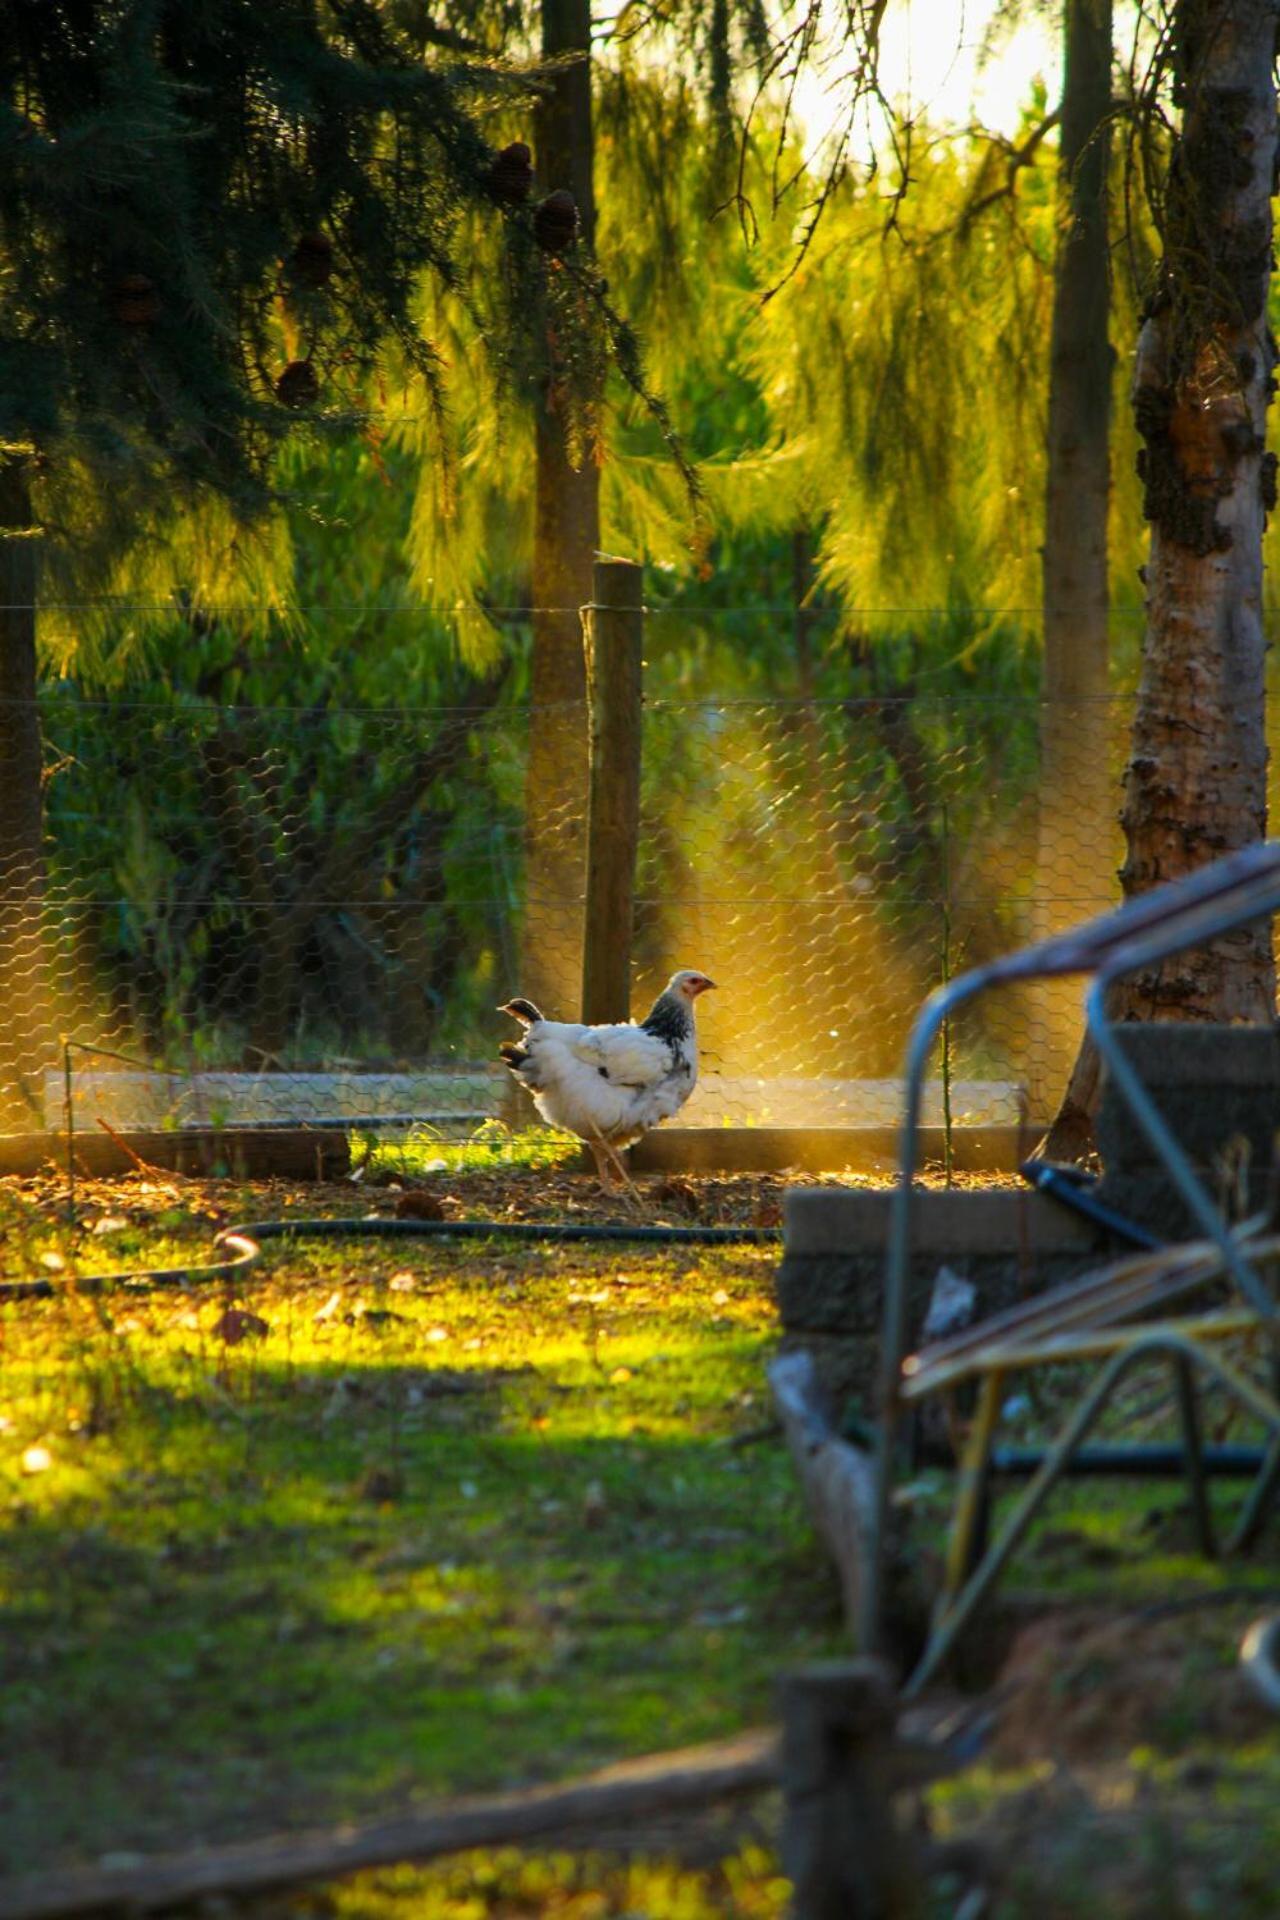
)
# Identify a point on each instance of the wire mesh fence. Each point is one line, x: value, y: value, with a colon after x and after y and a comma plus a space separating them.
x: 254, y: 915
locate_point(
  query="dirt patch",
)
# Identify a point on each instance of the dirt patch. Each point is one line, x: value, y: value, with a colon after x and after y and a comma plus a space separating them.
x: 152, y: 1197
x: 661, y: 1199
x: 1085, y: 1685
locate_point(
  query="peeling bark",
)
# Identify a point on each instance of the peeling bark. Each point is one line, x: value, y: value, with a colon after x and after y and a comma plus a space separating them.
x: 1195, y: 787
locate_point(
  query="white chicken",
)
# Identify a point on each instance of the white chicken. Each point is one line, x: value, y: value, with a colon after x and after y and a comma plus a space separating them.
x: 610, y: 1085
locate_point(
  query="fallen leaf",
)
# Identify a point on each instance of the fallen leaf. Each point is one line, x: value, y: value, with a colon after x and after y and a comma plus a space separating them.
x: 418, y: 1204
x: 237, y: 1324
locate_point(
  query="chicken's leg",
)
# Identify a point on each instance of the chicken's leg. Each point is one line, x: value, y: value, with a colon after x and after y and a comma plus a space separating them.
x: 603, y: 1169
x: 607, y: 1155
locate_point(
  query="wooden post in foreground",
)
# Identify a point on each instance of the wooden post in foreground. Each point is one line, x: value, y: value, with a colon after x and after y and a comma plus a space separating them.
x: 841, y: 1849
x: 613, y: 630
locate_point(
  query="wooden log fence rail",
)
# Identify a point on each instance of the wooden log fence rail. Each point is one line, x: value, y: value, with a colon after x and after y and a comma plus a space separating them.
x: 840, y: 1759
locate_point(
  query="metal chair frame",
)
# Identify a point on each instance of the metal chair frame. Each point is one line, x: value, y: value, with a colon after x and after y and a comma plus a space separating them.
x: 1232, y: 892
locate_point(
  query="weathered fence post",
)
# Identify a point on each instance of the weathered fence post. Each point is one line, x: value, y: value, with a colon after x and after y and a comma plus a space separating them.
x: 841, y: 1849
x: 613, y: 630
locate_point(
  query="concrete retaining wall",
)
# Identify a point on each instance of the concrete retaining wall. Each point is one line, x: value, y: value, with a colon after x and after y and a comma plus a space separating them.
x: 1219, y: 1090
x: 1007, y: 1243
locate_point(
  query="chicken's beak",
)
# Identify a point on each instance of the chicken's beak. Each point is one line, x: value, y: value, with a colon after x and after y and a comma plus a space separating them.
x: 706, y: 984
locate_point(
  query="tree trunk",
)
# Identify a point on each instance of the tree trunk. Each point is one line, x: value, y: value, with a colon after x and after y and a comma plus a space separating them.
x: 26, y: 1032
x: 1076, y: 854
x: 1195, y: 786
x: 566, y: 536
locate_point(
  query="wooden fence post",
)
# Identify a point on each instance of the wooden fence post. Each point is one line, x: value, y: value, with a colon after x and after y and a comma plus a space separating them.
x: 841, y: 1848
x: 613, y: 630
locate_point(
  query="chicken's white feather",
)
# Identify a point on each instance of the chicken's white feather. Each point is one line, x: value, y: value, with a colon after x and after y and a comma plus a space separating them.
x: 611, y: 1084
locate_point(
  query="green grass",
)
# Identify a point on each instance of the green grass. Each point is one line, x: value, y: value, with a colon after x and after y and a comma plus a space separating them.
x: 491, y: 1147
x: 476, y: 1525
x: 474, y: 1515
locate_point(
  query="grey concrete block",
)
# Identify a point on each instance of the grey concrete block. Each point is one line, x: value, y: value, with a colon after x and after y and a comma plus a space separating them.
x: 841, y: 1293
x: 843, y: 1220
x: 830, y: 1282
x: 1213, y: 1086
x: 1170, y: 1053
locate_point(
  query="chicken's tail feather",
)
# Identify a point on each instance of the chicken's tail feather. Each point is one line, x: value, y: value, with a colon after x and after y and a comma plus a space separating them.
x: 514, y: 1054
x: 522, y: 1010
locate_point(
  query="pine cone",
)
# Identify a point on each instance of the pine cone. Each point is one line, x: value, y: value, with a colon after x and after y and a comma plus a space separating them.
x: 311, y: 261
x: 511, y: 175
x: 298, y: 385
x: 555, y: 222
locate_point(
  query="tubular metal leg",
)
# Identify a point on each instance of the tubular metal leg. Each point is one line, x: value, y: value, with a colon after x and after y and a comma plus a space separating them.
x: 1193, y: 1453
x: 957, y: 1616
x: 971, y: 1486
x: 1174, y: 1160
x: 1257, y: 1506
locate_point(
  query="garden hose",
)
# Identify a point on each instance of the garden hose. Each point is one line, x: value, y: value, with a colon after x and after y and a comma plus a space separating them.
x: 382, y: 1229
x: 246, y: 1251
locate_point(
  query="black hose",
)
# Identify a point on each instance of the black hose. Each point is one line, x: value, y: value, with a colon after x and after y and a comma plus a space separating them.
x: 347, y: 1228
x: 246, y: 1239
x: 144, y: 1282
x: 1072, y: 1188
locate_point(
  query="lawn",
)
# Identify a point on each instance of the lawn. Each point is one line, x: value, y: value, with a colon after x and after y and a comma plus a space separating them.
x: 390, y: 1522
x: 436, y: 1517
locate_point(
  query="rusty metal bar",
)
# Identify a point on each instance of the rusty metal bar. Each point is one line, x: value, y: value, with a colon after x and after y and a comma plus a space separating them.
x: 1158, y: 1340
x: 1232, y: 891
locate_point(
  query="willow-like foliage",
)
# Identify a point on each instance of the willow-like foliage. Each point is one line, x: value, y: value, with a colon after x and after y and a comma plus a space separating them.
x: 890, y: 395
x: 907, y: 366
x: 675, y: 262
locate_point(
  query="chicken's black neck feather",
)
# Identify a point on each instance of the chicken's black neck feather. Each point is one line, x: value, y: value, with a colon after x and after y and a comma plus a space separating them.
x: 668, y: 1019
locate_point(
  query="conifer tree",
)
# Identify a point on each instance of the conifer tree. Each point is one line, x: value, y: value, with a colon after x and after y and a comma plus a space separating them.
x: 213, y: 221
